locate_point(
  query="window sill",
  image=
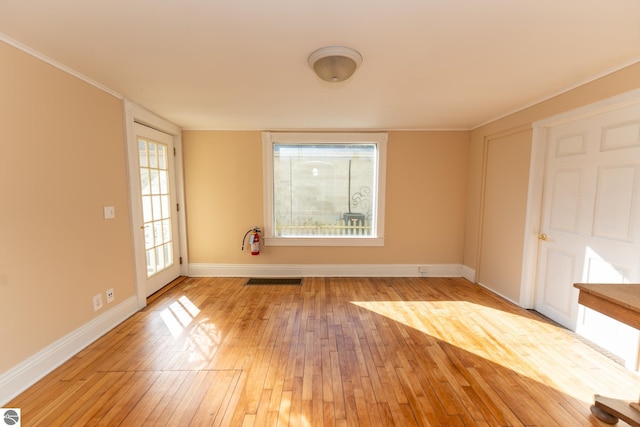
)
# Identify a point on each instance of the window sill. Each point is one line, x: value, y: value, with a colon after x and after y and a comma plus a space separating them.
x: 323, y: 241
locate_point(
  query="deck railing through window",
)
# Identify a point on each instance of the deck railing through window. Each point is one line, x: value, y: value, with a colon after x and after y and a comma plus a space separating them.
x: 328, y: 229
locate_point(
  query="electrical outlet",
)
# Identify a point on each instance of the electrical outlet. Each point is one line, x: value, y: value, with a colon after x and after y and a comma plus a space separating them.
x: 97, y: 302
x: 110, y: 296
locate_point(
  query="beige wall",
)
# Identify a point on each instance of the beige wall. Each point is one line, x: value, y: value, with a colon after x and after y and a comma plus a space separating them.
x: 63, y: 159
x: 495, y: 250
x: 425, y: 194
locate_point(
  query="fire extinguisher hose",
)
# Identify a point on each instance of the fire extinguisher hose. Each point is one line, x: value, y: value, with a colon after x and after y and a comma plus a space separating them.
x: 254, y: 229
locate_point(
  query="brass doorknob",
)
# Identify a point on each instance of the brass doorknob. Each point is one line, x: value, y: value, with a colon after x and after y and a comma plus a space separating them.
x: 543, y: 237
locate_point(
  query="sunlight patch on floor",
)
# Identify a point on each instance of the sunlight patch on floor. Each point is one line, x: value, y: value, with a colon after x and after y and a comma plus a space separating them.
x: 441, y: 320
x: 201, y: 339
x: 179, y: 315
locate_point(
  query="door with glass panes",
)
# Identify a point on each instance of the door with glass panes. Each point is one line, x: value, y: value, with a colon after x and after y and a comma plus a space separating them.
x: 159, y: 222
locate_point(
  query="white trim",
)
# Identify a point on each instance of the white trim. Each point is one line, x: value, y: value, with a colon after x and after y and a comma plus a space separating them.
x: 493, y: 291
x: 326, y: 137
x: 532, y: 219
x: 325, y: 270
x: 602, y: 106
x: 259, y: 129
x: 28, y: 372
x: 58, y: 65
x: 267, y: 185
x: 180, y: 198
x: 469, y: 273
x: 146, y: 117
x: 536, y: 183
x: 133, y: 113
x: 323, y: 241
x: 270, y: 138
x: 441, y: 270
x: 605, y: 73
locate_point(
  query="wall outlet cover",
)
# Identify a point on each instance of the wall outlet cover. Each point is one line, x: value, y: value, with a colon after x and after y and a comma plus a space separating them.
x: 110, y: 295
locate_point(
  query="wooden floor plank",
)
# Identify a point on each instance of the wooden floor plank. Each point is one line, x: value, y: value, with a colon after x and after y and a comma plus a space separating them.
x: 221, y: 383
x: 149, y: 401
x: 331, y: 352
x: 96, y: 402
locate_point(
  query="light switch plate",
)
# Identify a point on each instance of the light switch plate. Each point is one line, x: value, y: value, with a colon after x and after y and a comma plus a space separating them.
x: 109, y: 212
x: 97, y: 302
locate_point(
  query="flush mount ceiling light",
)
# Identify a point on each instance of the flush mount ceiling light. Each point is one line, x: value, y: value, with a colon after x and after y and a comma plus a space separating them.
x: 334, y: 63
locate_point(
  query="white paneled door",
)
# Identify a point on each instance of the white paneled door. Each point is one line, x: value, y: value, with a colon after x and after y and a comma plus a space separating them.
x: 158, y: 213
x: 590, y: 225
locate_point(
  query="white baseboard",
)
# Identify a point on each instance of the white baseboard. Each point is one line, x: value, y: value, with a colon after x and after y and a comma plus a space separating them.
x: 440, y: 270
x: 324, y: 270
x: 28, y: 372
x: 499, y: 294
x: 469, y: 273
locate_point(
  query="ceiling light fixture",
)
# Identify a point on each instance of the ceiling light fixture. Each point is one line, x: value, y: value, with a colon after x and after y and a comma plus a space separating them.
x: 335, y: 63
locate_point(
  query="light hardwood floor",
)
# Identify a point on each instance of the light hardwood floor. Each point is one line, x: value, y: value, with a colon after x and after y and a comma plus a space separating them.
x: 332, y: 352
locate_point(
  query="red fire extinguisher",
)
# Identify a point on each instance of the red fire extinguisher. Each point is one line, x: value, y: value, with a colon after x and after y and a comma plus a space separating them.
x: 254, y: 240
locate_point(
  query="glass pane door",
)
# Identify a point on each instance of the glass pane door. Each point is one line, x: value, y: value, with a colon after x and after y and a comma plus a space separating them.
x: 156, y: 204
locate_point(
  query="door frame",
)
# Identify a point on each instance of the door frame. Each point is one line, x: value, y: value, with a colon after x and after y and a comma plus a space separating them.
x: 536, y: 183
x: 137, y: 114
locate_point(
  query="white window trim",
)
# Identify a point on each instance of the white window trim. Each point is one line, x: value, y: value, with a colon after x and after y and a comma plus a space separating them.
x: 270, y: 138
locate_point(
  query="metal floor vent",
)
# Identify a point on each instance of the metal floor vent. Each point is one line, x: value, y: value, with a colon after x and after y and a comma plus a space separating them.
x: 271, y: 281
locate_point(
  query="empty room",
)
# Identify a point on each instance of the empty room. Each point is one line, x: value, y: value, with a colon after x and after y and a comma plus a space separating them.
x: 320, y: 213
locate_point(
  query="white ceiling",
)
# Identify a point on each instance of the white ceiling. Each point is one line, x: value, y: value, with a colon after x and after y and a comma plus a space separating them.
x: 242, y: 64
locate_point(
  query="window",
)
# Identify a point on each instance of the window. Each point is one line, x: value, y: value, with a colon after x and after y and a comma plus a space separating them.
x: 324, y: 189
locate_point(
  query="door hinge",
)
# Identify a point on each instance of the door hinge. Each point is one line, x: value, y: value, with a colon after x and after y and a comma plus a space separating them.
x: 174, y: 151
x: 180, y: 260
x: 178, y: 207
